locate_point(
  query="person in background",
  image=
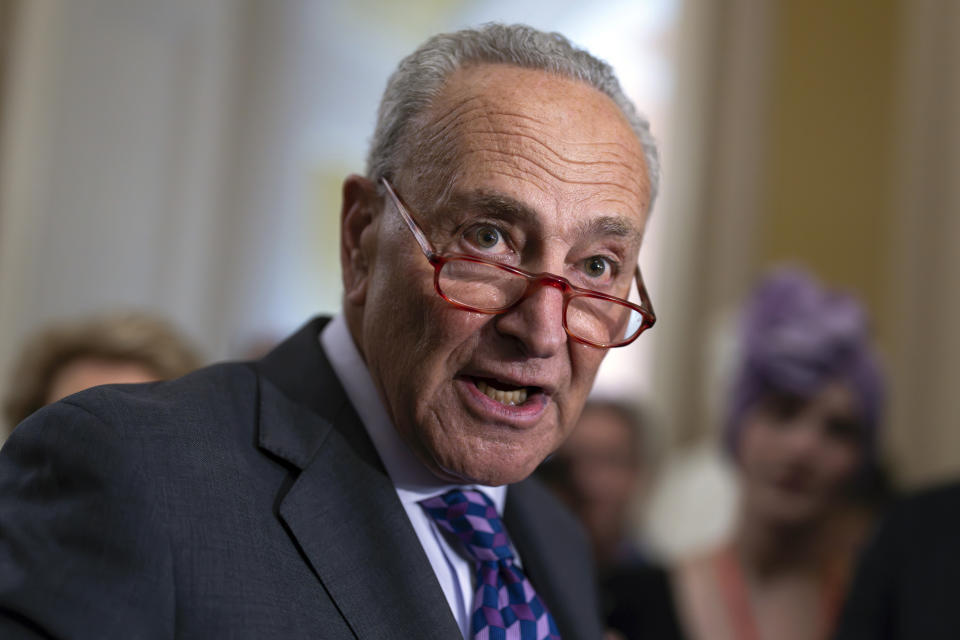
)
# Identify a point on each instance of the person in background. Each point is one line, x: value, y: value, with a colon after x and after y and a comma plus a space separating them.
x: 602, y: 471
x: 802, y: 430
x: 68, y: 357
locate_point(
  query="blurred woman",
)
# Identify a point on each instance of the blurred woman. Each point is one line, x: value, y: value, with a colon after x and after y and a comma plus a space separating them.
x: 802, y: 431
x: 71, y: 356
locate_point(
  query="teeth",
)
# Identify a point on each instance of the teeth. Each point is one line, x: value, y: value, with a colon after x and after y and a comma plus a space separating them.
x: 517, y: 396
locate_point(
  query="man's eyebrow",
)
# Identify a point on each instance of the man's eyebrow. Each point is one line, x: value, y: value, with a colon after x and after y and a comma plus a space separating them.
x: 503, y: 206
x: 494, y: 204
x: 611, y: 226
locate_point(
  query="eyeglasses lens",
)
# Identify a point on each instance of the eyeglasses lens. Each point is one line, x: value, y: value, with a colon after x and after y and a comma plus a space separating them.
x: 602, y: 321
x: 480, y: 285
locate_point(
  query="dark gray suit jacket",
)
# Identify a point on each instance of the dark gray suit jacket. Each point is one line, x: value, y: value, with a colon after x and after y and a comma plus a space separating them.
x: 242, y: 501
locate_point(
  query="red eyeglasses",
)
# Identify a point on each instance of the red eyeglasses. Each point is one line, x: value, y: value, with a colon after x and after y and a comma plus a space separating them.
x: 590, y: 317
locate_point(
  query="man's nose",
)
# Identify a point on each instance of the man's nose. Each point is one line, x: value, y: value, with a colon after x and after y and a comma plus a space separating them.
x: 537, y: 321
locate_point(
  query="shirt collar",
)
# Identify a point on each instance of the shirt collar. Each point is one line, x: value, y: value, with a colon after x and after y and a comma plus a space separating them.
x: 413, y: 481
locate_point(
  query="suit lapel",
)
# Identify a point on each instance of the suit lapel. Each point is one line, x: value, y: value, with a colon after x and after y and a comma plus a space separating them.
x: 554, y: 558
x: 342, y: 509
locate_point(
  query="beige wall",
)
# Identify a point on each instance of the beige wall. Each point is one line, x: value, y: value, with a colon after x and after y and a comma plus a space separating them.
x: 828, y: 196
x: 8, y: 16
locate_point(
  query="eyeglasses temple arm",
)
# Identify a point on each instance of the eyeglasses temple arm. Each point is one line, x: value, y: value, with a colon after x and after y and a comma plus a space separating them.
x: 414, y: 228
x: 645, y: 297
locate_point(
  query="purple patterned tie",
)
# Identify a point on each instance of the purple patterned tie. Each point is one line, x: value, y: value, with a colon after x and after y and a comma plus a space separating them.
x: 505, y: 606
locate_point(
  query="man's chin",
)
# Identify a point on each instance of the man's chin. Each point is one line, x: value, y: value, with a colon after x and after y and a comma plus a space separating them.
x: 485, y: 452
x: 492, y: 473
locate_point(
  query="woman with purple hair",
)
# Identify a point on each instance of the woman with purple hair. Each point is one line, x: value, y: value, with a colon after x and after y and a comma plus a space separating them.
x: 801, y: 428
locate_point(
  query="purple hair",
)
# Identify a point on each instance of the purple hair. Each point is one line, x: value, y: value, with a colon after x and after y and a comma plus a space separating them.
x: 796, y: 337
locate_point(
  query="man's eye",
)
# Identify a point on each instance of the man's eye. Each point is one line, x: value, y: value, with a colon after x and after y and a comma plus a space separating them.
x: 486, y: 237
x: 597, y: 267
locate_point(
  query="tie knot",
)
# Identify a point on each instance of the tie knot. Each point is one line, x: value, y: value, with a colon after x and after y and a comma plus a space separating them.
x: 472, y: 518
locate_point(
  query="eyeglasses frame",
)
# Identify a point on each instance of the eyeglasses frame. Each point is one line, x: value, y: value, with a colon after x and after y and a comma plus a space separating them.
x: 569, y: 290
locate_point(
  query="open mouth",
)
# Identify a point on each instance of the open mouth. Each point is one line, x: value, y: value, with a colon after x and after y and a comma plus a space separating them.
x: 504, y: 393
x: 504, y: 403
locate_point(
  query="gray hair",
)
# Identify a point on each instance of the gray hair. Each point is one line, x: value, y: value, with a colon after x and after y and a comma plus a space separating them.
x: 421, y: 76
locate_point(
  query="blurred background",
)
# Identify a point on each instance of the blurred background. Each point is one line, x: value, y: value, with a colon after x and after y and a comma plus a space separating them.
x: 184, y: 157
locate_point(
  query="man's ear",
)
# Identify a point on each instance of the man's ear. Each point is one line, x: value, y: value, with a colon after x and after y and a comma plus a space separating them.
x: 357, y: 214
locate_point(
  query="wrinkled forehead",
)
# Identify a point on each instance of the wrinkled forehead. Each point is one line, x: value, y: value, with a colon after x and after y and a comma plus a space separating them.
x: 530, y: 132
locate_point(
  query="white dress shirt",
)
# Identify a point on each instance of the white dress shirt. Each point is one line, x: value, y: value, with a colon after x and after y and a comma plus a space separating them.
x: 412, y: 480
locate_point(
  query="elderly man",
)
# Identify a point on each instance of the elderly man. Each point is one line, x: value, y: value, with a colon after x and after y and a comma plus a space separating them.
x: 367, y: 479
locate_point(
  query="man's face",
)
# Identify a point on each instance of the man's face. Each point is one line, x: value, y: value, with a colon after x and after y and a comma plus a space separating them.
x: 538, y: 172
